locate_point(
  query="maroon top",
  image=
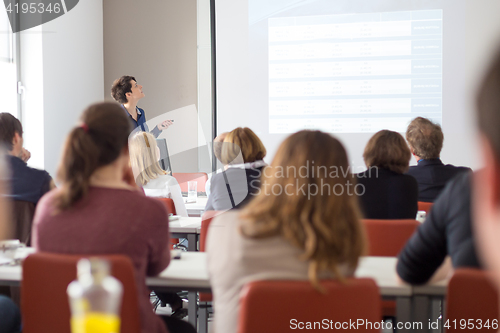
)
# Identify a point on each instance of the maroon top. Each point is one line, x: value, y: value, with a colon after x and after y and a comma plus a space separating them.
x: 110, y: 221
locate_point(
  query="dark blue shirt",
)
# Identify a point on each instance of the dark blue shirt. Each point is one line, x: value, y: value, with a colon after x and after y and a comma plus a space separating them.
x: 432, y: 176
x: 140, y: 124
x: 26, y: 184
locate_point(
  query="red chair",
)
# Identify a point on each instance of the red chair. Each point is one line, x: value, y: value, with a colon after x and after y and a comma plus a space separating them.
x: 169, y: 203
x: 425, y: 206
x: 386, y: 238
x: 270, y: 306
x: 204, y: 298
x: 44, y: 302
x: 471, y: 295
x: 183, y: 179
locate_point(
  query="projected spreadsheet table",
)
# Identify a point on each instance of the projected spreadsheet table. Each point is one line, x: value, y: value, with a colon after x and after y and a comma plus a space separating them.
x: 354, y: 73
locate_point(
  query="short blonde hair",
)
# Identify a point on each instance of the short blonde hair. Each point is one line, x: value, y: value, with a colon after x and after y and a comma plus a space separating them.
x: 144, y: 158
x: 388, y: 150
x: 326, y: 227
x: 245, y: 140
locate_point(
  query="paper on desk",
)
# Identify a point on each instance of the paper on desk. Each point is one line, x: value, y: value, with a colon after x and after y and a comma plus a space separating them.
x: 4, y: 261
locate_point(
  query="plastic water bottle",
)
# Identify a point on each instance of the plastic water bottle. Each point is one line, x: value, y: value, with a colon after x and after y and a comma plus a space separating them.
x: 95, y: 298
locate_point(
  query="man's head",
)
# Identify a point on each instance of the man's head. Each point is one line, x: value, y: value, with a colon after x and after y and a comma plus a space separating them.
x: 11, y: 133
x: 126, y: 88
x: 425, y: 138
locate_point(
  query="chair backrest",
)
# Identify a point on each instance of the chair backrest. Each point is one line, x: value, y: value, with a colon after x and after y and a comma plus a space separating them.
x: 183, y: 179
x: 169, y: 203
x: 425, y: 206
x: 44, y: 302
x: 206, y: 219
x: 22, y: 213
x: 386, y: 238
x: 271, y: 306
x: 471, y: 295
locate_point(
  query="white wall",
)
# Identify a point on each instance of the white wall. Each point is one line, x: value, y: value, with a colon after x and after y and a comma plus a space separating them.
x: 62, y: 68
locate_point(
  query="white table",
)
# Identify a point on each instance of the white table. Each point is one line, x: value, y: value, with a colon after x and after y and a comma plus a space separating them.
x: 190, y: 273
x: 196, y: 208
x: 186, y: 227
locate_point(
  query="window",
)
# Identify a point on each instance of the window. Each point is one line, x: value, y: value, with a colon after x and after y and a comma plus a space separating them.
x: 8, y: 67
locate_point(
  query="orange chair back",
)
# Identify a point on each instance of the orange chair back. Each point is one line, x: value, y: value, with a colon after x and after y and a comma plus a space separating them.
x: 206, y: 219
x: 270, y: 306
x: 471, y: 295
x: 386, y: 238
x: 169, y: 203
x: 44, y: 302
x: 425, y: 206
x: 183, y: 179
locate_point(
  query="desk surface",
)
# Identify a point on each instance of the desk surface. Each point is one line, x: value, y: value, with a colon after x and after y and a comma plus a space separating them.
x: 198, y: 206
x: 185, y: 225
x: 190, y: 273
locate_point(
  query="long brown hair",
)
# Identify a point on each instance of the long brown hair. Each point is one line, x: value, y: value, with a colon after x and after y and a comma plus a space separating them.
x: 325, y: 226
x: 97, y: 142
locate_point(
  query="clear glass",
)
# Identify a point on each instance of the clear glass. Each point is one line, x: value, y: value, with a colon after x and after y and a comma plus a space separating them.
x: 192, y: 191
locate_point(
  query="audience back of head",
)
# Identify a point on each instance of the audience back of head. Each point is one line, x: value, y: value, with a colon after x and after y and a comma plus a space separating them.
x: 324, y: 224
x: 425, y: 138
x: 387, y: 149
x: 242, y: 140
x: 144, y: 157
x: 101, y: 138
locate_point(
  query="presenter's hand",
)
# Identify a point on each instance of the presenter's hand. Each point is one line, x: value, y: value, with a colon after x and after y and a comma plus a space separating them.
x: 164, y: 125
x: 25, y: 155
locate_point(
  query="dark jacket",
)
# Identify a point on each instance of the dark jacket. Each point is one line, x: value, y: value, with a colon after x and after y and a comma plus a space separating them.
x: 387, y: 194
x: 432, y: 176
x: 446, y: 231
x: 233, y: 188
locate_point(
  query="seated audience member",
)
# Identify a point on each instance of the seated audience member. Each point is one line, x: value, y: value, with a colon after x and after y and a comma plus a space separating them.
x: 97, y: 212
x: 144, y: 157
x: 217, y: 147
x: 128, y: 92
x: 426, y: 141
x: 26, y: 184
x: 242, y: 153
x: 10, y: 316
x: 445, y: 232
x: 291, y: 235
x: 388, y: 192
x: 486, y: 184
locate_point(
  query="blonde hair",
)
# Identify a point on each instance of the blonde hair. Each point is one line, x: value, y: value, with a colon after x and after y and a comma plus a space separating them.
x: 387, y: 149
x: 326, y: 227
x: 244, y: 140
x: 144, y: 158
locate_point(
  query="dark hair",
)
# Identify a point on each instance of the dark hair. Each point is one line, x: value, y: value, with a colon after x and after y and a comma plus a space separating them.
x: 120, y: 87
x: 425, y: 138
x: 9, y: 125
x: 97, y: 142
x: 488, y: 105
x: 388, y: 150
